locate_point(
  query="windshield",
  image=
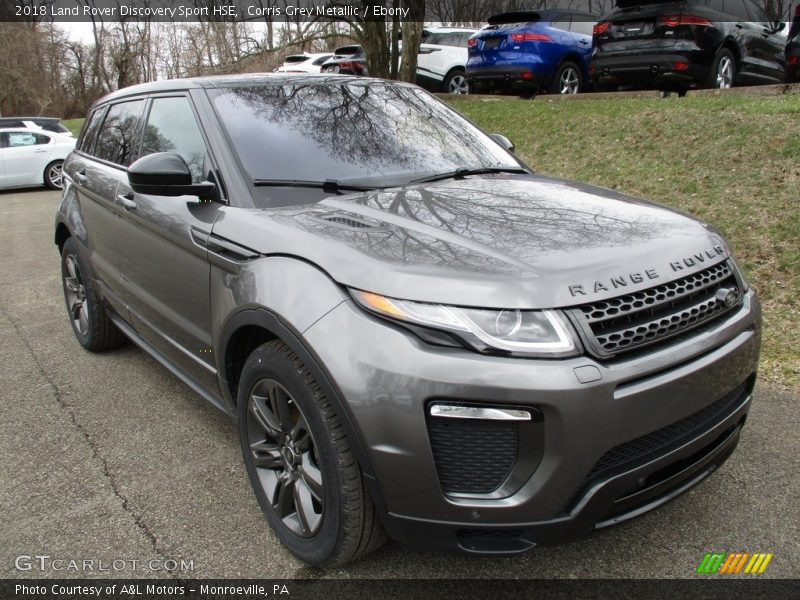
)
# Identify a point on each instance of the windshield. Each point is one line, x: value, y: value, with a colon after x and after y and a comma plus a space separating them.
x: 358, y: 133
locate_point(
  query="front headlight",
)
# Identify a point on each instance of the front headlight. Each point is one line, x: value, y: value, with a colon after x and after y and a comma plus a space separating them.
x: 543, y: 333
x: 742, y: 275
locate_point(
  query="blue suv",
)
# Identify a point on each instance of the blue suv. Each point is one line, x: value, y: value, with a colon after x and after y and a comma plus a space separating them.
x: 528, y: 52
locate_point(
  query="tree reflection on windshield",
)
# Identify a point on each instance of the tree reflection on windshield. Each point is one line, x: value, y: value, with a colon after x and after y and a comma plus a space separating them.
x: 350, y: 131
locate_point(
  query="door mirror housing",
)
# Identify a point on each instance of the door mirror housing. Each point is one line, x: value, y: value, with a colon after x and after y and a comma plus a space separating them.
x: 166, y: 174
x: 503, y: 141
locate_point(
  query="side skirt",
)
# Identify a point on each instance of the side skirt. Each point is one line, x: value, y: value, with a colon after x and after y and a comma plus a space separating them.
x: 213, y: 400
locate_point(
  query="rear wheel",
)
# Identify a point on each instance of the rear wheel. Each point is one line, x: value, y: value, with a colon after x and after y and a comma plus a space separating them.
x: 90, y: 323
x: 723, y: 71
x: 567, y: 80
x: 299, y: 461
x: 53, y: 177
x: 456, y: 82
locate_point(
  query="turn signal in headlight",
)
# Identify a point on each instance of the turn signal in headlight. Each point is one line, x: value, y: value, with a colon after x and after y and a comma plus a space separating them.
x: 543, y: 333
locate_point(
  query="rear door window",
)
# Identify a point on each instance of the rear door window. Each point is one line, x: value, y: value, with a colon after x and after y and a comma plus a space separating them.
x: 118, y: 138
x: 87, y: 139
x: 450, y: 39
x: 17, y: 139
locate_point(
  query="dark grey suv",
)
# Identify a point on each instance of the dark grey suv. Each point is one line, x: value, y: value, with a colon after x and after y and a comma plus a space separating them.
x: 416, y: 334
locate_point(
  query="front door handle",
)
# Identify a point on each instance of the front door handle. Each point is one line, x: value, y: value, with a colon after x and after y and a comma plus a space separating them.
x: 127, y: 201
x: 739, y: 26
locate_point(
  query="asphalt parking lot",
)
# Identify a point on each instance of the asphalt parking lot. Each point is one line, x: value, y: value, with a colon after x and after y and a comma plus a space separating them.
x: 109, y: 457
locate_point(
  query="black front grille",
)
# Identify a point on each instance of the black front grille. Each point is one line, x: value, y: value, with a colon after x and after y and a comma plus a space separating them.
x: 641, y: 318
x: 472, y: 456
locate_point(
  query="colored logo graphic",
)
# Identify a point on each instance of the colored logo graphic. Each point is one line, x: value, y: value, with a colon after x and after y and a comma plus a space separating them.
x: 731, y: 563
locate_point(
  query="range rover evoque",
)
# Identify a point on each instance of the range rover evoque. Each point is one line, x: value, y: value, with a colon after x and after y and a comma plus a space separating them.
x: 416, y: 334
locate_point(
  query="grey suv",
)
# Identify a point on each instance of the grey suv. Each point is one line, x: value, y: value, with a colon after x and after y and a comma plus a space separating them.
x: 415, y: 333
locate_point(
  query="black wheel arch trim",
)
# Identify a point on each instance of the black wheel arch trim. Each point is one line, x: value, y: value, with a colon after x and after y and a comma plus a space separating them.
x: 271, y: 322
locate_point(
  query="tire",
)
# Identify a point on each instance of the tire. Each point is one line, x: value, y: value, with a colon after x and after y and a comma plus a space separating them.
x: 301, y: 467
x: 53, y: 177
x: 568, y: 79
x: 722, y: 74
x: 456, y: 82
x: 90, y: 323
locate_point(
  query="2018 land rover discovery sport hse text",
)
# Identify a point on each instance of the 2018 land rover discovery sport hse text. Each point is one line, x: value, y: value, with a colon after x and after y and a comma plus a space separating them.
x: 416, y: 334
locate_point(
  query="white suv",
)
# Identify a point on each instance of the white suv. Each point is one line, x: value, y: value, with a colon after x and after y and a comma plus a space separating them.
x: 442, y: 60
x: 304, y: 63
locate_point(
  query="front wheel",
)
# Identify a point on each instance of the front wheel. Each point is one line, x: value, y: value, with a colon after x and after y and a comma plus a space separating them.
x: 723, y: 71
x: 456, y: 83
x: 53, y: 176
x: 567, y: 80
x: 299, y: 461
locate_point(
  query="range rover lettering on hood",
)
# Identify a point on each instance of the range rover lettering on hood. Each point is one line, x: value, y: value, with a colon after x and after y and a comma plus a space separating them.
x: 622, y: 280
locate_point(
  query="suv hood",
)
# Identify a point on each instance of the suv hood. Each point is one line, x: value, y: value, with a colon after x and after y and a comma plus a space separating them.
x: 500, y: 241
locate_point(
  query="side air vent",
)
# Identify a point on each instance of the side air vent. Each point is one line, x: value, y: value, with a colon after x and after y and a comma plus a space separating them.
x: 350, y: 222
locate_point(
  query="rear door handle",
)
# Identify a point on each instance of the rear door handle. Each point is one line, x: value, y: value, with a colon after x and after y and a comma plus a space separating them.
x: 584, y: 42
x: 80, y: 177
x: 739, y: 26
x: 42, y: 151
x: 127, y: 201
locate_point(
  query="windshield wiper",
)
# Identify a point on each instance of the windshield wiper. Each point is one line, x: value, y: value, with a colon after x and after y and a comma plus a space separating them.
x: 463, y: 172
x: 329, y: 185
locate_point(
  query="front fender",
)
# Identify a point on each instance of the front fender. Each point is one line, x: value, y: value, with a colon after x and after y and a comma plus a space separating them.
x: 285, y: 296
x: 295, y: 292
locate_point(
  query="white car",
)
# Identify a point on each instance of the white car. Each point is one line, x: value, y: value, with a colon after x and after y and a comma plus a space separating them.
x: 29, y: 158
x: 442, y: 59
x: 53, y: 124
x: 304, y: 63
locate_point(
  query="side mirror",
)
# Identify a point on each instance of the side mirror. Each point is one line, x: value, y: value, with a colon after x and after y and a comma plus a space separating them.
x: 166, y: 174
x: 502, y: 141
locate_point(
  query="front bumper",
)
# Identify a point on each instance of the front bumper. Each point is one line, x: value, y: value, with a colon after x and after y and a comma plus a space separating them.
x: 656, y: 70
x: 388, y: 377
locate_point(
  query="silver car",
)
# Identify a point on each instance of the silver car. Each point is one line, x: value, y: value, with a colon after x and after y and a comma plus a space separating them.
x: 417, y: 335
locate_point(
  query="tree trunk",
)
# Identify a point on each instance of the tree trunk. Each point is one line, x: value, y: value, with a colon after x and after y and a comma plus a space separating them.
x: 412, y: 36
x: 376, y: 46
